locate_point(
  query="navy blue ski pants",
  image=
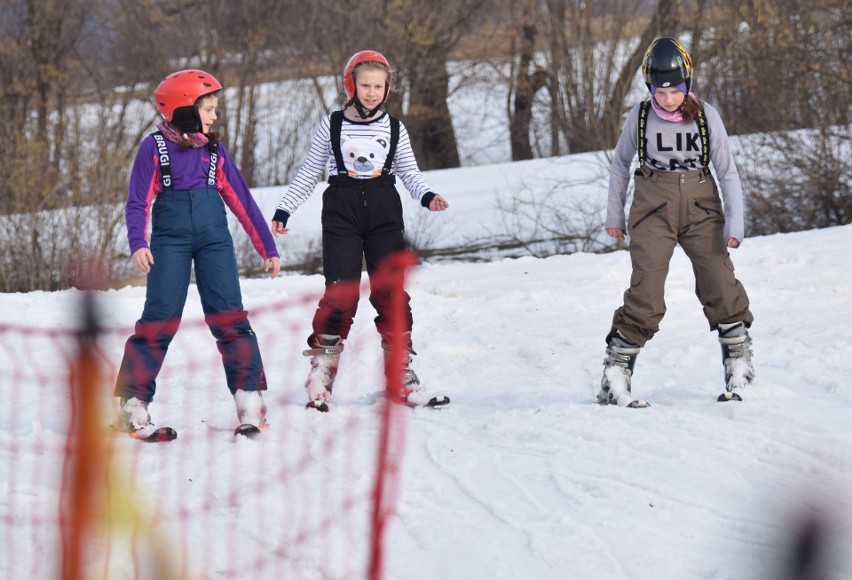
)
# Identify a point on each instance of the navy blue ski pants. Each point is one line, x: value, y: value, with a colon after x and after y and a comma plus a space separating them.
x: 191, y: 226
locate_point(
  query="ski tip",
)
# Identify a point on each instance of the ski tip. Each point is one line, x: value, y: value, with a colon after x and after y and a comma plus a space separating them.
x: 320, y: 406
x: 161, y: 435
x: 728, y: 396
x: 439, y: 401
x: 247, y: 430
x: 432, y: 403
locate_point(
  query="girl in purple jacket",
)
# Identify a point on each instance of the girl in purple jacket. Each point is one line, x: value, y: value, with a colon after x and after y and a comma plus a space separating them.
x: 190, y: 174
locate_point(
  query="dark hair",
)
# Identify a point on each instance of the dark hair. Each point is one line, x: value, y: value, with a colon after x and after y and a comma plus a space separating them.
x: 690, y: 108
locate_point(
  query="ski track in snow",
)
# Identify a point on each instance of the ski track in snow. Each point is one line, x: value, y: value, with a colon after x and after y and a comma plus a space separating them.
x: 523, y: 476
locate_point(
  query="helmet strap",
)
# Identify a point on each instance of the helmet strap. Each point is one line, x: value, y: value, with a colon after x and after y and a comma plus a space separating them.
x: 363, y: 112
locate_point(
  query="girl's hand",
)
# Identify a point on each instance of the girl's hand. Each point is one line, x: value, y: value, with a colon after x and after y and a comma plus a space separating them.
x: 142, y: 260
x: 733, y: 243
x: 616, y: 233
x: 438, y: 203
x: 278, y: 228
x: 274, y: 263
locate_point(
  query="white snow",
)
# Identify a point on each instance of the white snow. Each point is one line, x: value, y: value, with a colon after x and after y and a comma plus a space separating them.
x: 523, y: 476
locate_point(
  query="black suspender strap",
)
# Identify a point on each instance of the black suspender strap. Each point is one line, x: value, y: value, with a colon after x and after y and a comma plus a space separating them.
x: 335, y: 130
x: 336, y: 126
x: 164, y: 160
x: 213, y: 149
x: 642, y: 126
x: 704, y: 134
x: 394, y: 127
x: 166, y: 165
x: 642, y: 141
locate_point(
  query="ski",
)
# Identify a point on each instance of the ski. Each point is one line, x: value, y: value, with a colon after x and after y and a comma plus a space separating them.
x: 431, y: 403
x: 606, y: 397
x: 149, y: 434
x: 435, y: 402
x: 247, y: 430
x: 160, y: 435
x: 633, y: 404
x: 728, y: 396
x: 319, y: 403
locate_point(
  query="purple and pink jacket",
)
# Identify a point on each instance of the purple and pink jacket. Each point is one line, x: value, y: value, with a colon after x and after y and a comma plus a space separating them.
x: 189, y: 171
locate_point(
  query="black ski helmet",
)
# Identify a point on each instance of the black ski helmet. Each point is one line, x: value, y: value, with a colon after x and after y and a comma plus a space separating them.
x: 667, y: 64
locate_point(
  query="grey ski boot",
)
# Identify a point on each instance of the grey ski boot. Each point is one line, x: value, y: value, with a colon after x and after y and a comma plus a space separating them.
x: 736, y: 358
x: 325, y: 357
x: 618, y: 371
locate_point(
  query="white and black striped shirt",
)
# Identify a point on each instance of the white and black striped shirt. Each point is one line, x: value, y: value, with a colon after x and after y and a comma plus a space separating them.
x: 364, y: 147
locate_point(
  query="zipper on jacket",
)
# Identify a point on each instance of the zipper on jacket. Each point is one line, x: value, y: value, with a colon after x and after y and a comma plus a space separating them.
x: 363, y: 195
x: 649, y: 214
x: 708, y: 210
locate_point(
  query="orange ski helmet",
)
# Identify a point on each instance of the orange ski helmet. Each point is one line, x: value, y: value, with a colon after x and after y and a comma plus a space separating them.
x: 182, y: 89
x: 355, y: 60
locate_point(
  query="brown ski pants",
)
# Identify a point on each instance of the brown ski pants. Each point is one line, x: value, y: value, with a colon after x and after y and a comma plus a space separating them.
x: 668, y: 209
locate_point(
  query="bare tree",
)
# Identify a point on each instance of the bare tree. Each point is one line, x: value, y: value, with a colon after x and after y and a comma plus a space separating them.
x: 782, y: 69
x: 594, y: 51
x: 69, y: 136
x: 527, y: 80
x: 418, y: 38
x: 801, y: 181
x: 776, y: 65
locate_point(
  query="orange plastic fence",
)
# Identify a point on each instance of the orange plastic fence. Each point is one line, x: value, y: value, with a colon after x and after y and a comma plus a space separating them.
x: 310, y: 498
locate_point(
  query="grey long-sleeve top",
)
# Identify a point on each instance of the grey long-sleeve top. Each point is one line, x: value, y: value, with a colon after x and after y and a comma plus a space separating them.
x: 676, y: 147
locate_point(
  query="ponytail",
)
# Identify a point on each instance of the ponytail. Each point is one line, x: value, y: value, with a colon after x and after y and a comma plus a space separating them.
x: 690, y: 108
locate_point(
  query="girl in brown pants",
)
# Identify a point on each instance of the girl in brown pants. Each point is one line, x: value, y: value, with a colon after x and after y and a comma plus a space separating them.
x: 676, y: 201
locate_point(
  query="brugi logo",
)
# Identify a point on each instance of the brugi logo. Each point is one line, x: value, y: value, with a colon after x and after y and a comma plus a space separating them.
x: 163, y: 154
x: 211, y: 173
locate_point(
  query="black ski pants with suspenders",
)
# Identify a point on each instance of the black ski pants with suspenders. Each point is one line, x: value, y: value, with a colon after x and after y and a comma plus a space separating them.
x: 362, y: 224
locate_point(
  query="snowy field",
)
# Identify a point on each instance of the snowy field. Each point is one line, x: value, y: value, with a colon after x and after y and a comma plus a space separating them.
x: 523, y: 476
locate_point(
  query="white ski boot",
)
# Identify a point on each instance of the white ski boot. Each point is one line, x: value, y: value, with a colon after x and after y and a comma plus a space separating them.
x: 134, y: 419
x: 410, y: 392
x: 325, y: 357
x: 133, y: 415
x: 618, y: 371
x: 251, y: 413
x: 736, y: 358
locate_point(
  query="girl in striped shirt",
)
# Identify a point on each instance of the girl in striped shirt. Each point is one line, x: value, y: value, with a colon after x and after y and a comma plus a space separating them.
x: 365, y: 150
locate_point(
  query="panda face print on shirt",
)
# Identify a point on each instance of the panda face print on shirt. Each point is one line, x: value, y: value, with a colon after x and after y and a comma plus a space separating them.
x: 364, y: 157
